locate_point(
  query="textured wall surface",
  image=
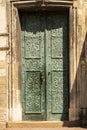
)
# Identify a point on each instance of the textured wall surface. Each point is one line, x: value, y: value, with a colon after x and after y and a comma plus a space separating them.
x: 3, y: 64
x: 80, y: 66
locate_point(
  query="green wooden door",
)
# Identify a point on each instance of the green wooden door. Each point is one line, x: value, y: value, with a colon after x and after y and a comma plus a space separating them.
x: 45, y: 80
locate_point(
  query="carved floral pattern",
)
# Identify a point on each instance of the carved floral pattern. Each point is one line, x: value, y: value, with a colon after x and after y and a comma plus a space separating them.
x: 32, y: 92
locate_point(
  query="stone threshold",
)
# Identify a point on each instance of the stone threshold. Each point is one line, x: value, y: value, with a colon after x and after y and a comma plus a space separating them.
x: 42, y: 124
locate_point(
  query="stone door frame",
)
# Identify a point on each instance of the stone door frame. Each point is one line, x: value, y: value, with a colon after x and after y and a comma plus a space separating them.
x: 14, y: 88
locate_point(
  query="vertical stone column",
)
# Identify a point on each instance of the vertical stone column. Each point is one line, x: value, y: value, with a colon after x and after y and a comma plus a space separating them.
x: 81, y: 60
x: 78, y: 65
x: 73, y: 111
x: 16, y: 66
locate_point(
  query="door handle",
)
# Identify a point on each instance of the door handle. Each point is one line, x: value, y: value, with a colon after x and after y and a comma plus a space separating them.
x: 42, y: 78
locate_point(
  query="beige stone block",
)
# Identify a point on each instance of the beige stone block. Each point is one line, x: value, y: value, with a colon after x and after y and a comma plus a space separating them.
x: 2, y: 98
x: 2, y: 125
x: 2, y: 89
x: 2, y: 72
x: 75, y: 3
x: 3, y: 104
x: 0, y: 1
x: 2, y: 55
x: 3, y: 41
x: 3, y: 80
x: 2, y: 116
x: 3, y: 20
x: 2, y: 64
x: 3, y: 111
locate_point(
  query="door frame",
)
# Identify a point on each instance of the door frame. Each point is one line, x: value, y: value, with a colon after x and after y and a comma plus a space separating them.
x: 14, y: 88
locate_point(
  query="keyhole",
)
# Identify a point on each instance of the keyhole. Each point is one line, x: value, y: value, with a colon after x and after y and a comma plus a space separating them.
x: 48, y: 73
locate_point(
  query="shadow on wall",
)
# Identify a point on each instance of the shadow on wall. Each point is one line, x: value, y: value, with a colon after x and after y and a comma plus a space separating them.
x: 83, y: 83
x: 79, y: 90
x: 78, y: 95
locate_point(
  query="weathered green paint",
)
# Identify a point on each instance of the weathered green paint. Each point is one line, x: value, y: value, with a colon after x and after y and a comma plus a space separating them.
x: 32, y: 65
x: 57, y: 66
x: 45, y: 66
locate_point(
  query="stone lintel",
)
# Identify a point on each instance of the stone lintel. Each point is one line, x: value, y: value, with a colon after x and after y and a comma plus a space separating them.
x: 41, y: 3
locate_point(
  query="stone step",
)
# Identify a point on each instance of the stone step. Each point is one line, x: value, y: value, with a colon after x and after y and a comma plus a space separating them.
x: 43, y: 124
x: 62, y: 128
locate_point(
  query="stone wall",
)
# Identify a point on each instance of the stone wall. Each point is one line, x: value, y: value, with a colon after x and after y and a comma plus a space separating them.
x: 3, y: 64
x: 80, y: 66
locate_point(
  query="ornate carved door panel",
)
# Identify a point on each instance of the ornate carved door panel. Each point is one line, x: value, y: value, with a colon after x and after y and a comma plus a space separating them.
x: 45, y: 66
x: 57, y: 66
x: 33, y: 89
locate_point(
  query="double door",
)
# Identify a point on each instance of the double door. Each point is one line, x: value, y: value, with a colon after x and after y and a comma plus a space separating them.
x: 45, y: 66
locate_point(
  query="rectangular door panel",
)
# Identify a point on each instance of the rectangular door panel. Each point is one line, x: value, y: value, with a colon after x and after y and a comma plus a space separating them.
x: 33, y: 90
x: 57, y: 66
